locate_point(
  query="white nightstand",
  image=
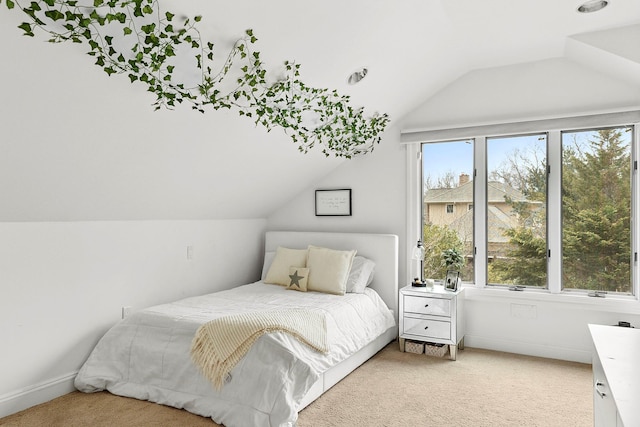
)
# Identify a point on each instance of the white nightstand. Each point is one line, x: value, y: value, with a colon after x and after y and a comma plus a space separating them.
x: 432, y: 314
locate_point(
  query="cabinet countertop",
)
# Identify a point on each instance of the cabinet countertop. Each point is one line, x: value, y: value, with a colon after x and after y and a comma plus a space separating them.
x: 619, y: 352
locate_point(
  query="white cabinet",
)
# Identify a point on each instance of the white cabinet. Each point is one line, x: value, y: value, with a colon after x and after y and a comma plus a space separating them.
x: 605, y: 412
x: 432, y: 315
x: 616, y: 376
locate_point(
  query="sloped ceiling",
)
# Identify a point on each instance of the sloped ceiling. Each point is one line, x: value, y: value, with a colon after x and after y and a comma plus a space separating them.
x: 66, y: 156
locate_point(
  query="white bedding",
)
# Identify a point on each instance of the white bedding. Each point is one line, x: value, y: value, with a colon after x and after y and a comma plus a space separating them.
x: 146, y: 356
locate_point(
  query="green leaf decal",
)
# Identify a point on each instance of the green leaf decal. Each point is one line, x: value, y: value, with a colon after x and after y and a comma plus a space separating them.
x: 26, y: 28
x: 133, y: 37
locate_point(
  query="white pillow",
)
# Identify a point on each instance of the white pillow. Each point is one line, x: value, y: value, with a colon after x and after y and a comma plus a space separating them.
x: 268, y: 259
x: 329, y: 269
x: 361, y: 275
x: 278, y: 273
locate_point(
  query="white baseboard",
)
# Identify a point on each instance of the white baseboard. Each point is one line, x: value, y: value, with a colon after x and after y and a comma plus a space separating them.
x: 16, y: 401
x: 529, y: 349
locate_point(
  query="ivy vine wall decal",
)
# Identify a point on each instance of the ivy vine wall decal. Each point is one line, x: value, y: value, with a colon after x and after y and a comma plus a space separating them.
x: 136, y: 38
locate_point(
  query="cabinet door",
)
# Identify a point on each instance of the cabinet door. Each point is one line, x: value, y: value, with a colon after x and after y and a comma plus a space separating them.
x: 604, y: 408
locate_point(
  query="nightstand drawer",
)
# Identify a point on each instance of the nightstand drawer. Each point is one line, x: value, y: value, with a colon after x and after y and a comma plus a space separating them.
x: 427, y: 328
x: 426, y: 305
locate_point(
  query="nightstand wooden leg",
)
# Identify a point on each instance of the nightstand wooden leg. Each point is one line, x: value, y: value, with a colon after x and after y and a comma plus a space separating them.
x: 453, y: 351
x: 401, y: 341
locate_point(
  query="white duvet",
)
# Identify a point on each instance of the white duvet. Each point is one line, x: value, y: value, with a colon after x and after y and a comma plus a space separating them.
x: 146, y: 356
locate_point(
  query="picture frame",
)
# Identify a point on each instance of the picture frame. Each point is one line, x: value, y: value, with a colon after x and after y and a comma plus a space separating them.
x: 333, y: 202
x: 451, y: 281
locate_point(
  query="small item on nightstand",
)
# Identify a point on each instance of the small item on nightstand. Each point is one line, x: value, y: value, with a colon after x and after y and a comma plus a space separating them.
x: 417, y: 283
x: 425, y: 283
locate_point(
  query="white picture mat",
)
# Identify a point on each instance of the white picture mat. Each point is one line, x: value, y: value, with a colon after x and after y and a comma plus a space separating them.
x: 333, y: 202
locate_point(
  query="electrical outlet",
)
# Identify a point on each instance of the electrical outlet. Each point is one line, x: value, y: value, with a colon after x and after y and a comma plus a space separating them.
x: 126, y: 311
x: 190, y: 251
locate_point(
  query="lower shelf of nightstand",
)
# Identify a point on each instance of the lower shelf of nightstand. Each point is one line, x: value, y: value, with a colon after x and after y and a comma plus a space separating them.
x: 453, y: 348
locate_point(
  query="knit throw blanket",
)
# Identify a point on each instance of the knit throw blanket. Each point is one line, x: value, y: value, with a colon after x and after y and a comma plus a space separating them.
x: 220, y: 344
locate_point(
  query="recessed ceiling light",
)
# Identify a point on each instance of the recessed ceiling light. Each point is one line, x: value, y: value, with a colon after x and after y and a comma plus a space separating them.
x: 358, y: 75
x: 592, y: 6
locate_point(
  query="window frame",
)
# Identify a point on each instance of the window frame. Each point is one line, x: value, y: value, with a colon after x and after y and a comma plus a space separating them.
x: 486, y: 202
x: 635, y: 213
x: 553, y: 128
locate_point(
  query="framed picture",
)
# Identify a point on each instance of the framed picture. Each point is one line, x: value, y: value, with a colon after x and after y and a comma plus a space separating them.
x: 333, y: 202
x: 451, y: 281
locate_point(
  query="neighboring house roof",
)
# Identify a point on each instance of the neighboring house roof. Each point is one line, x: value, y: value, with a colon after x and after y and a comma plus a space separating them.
x: 497, y: 222
x: 463, y: 226
x: 496, y: 192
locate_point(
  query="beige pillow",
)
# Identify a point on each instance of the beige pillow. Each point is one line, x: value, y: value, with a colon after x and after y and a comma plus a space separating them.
x: 298, y: 278
x: 278, y: 273
x: 329, y: 269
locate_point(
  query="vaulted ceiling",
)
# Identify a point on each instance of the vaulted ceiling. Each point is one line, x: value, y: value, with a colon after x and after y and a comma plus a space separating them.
x: 78, y: 145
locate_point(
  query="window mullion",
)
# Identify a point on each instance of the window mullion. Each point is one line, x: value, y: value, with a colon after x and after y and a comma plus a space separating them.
x: 635, y: 211
x: 480, y: 211
x: 414, y: 213
x: 554, y: 212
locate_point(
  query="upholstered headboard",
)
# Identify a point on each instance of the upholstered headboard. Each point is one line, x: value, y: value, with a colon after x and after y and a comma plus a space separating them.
x: 381, y: 248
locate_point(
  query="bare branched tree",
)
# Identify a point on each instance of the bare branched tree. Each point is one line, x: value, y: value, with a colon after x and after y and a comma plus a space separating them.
x: 448, y: 180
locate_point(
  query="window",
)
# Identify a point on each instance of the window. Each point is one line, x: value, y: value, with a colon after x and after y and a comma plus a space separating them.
x: 516, y: 203
x: 596, y: 209
x: 551, y: 205
x: 447, y: 170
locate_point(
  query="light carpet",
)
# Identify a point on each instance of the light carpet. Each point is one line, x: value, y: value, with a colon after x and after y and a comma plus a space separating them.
x: 481, y: 388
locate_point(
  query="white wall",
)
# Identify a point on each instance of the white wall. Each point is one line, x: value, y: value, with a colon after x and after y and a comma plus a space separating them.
x: 554, y: 87
x: 64, y: 284
x: 377, y: 181
x: 553, y: 326
x: 77, y: 145
x: 542, y: 325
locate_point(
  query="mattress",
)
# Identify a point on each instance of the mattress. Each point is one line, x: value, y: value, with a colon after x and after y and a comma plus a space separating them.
x: 146, y: 356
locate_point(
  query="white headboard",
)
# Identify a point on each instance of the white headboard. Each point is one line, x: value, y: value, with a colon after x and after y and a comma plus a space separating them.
x: 381, y: 248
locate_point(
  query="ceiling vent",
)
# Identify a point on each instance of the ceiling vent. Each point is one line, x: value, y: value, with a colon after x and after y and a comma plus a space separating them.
x: 358, y: 75
x: 592, y: 6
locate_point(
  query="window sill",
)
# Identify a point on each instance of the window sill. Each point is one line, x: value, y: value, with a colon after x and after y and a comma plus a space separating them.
x: 616, y: 303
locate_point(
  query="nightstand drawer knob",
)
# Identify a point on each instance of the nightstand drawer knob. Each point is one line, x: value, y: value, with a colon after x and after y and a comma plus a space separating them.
x: 426, y: 327
x: 426, y: 305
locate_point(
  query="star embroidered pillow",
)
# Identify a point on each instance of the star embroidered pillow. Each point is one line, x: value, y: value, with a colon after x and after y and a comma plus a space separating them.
x: 298, y: 277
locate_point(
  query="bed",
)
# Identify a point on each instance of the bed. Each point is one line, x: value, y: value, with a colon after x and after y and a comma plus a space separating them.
x: 147, y: 355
